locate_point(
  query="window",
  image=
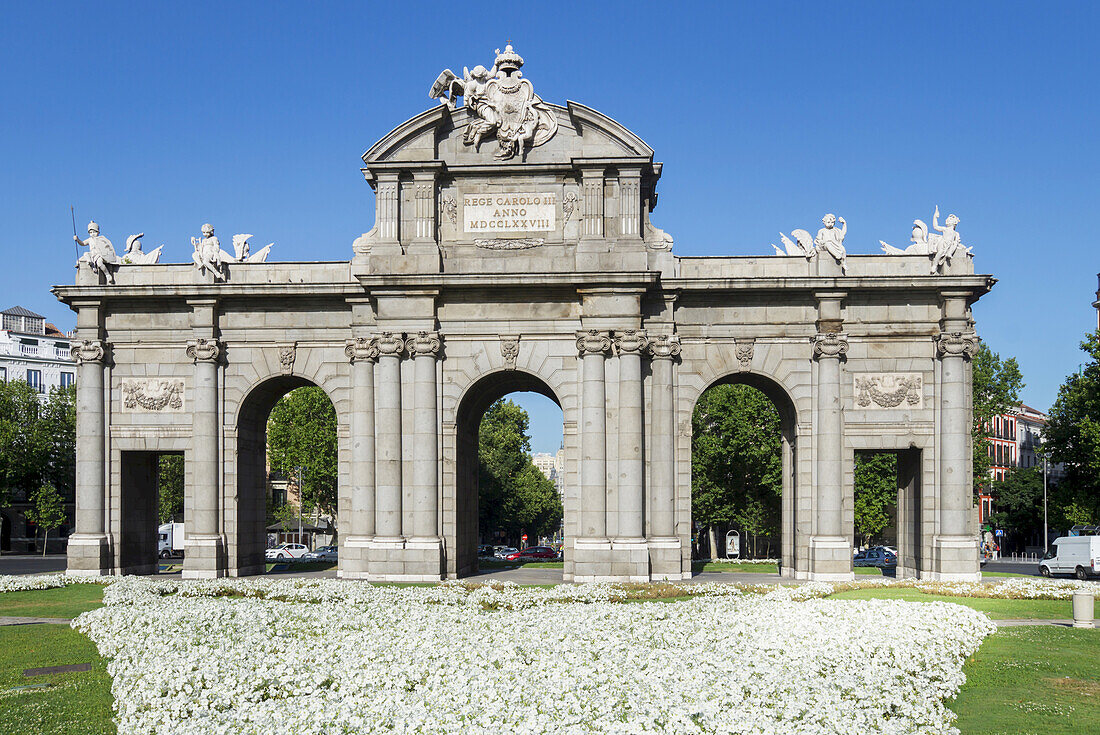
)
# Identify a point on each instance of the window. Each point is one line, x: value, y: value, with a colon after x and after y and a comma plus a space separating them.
x: 11, y: 323
x: 3, y: 375
x: 34, y: 379
x: 67, y: 379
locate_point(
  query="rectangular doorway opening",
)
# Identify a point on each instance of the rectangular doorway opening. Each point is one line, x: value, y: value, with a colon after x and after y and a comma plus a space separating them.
x: 151, y: 512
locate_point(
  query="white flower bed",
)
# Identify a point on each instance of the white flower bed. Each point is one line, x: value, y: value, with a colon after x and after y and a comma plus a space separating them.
x: 329, y: 656
x: 741, y: 561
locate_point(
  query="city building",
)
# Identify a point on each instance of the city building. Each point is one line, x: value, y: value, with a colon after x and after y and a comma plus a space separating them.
x: 1012, y: 442
x: 547, y: 464
x: 33, y: 350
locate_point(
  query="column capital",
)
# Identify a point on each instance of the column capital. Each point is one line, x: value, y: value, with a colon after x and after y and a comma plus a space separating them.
x: 830, y: 344
x: 593, y: 342
x: 424, y: 344
x: 389, y: 344
x: 361, y: 348
x: 956, y: 344
x: 631, y: 342
x: 89, y: 351
x: 203, y: 350
x: 664, y: 346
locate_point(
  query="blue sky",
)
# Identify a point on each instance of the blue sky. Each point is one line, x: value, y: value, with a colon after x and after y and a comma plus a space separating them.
x: 157, y: 117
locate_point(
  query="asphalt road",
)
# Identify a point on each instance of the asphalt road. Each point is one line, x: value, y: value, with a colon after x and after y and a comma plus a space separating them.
x: 28, y: 564
x: 1013, y: 567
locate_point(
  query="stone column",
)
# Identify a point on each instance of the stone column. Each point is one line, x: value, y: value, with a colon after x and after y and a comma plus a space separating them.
x: 387, y: 466
x: 87, y: 548
x: 363, y: 353
x: 592, y: 191
x: 956, y: 548
x: 664, y: 547
x: 204, y: 542
x: 593, y: 346
x: 629, y: 345
x: 662, y: 462
x: 424, y: 348
x: 830, y: 554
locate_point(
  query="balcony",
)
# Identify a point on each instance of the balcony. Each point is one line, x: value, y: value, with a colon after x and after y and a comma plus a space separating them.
x: 48, y: 352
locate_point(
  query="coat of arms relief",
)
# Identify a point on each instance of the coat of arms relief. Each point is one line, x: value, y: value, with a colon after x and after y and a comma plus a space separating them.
x: 501, y: 103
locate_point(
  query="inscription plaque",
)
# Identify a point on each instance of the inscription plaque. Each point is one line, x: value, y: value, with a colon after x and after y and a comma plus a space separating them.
x: 509, y: 212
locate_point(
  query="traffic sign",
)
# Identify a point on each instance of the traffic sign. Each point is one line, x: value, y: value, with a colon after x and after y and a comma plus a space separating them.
x: 999, y: 532
x: 523, y: 537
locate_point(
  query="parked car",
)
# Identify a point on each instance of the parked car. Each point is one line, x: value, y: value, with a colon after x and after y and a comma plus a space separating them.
x: 485, y: 550
x: 541, y: 553
x: 1077, y: 555
x: 504, y: 551
x: 323, y: 553
x: 286, y: 552
x: 876, y: 556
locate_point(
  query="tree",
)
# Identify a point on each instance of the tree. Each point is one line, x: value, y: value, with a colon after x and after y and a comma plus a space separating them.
x: 996, y: 389
x: 47, y: 511
x: 1072, y: 437
x: 301, y: 432
x: 169, y: 486
x: 736, y: 463
x: 37, y: 441
x: 1019, y: 504
x: 513, y: 495
x: 876, y: 492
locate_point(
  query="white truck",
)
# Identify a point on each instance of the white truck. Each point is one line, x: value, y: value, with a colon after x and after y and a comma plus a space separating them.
x: 170, y: 540
x: 1077, y: 555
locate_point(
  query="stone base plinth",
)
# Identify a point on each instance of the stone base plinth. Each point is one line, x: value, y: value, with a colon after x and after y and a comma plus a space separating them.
x: 89, y: 555
x: 830, y: 559
x: 665, y: 560
x: 401, y: 560
x: 955, y: 559
x: 204, y: 557
x: 602, y: 560
x: 353, y: 557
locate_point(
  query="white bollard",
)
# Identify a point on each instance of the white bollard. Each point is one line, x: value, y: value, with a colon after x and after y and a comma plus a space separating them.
x: 1082, y: 609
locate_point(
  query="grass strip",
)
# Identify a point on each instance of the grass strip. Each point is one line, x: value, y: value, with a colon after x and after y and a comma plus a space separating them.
x: 59, y: 602
x: 77, y: 702
x: 1035, y: 680
x: 995, y: 608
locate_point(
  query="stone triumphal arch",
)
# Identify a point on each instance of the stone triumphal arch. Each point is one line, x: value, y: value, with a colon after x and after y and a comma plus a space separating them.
x: 513, y: 249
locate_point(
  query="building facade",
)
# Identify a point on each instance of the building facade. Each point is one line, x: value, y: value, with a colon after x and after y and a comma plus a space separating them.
x: 518, y: 254
x: 35, y: 351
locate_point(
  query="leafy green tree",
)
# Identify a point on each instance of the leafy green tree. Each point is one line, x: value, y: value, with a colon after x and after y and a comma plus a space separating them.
x: 37, y: 441
x: 1019, y: 504
x: 301, y: 432
x: 736, y: 462
x: 513, y: 495
x: 996, y: 389
x: 1072, y: 437
x: 47, y: 511
x: 876, y: 493
x: 169, y: 486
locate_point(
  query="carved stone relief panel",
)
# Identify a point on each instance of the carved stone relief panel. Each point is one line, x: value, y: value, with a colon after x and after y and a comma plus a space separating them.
x: 154, y: 395
x: 888, y: 390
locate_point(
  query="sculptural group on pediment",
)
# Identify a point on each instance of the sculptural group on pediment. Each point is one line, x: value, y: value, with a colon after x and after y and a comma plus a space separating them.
x: 940, y: 246
x: 501, y: 103
x: 829, y: 239
x: 208, y: 255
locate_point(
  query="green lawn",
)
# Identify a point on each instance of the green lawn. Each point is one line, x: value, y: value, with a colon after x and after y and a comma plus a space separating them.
x: 994, y: 608
x: 78, y: 702
x: 1004, y: 574
x: 1042, y: 681
x: 491, y: 564
x: 59, y: 602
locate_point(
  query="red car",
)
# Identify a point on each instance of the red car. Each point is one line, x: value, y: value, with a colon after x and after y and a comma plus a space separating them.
x: 544, y: 553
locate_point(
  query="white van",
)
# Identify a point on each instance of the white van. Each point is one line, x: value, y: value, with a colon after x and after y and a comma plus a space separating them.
x: 1079, y: 555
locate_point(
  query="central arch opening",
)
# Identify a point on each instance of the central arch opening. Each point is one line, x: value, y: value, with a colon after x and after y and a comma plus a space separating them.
x: 743, y: 472
x: 505, y: 422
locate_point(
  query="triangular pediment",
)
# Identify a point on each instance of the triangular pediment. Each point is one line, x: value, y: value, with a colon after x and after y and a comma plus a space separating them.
x: 438, y: 134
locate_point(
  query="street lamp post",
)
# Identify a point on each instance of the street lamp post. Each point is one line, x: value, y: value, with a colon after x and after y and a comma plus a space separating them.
x: 1046, y: 536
